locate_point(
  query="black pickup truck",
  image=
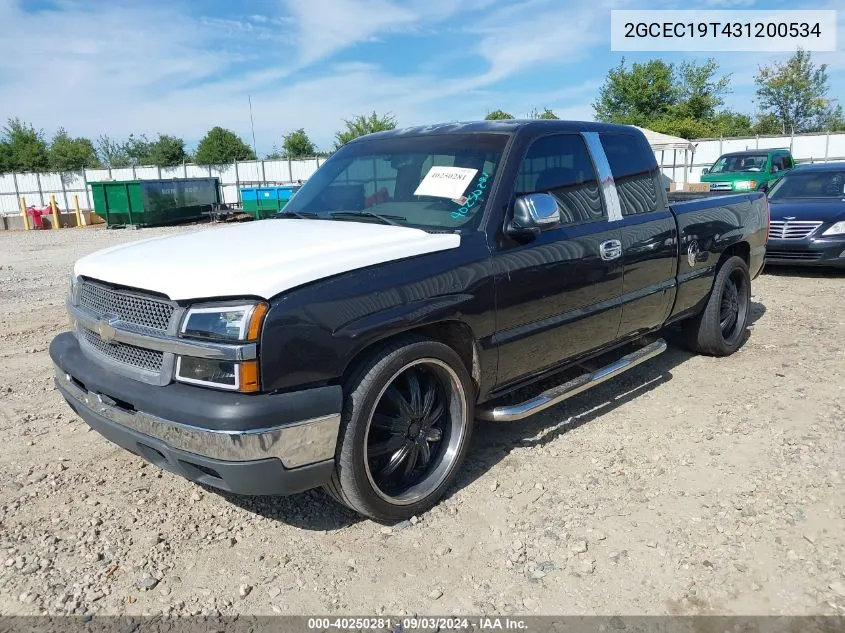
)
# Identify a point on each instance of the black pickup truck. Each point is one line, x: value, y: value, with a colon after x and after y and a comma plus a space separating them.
x: 420, y: 280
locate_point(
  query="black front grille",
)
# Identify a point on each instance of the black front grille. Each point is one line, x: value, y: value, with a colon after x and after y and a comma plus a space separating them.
x: 805, y: 256
x: 136, y: 357
x: 135, y: 308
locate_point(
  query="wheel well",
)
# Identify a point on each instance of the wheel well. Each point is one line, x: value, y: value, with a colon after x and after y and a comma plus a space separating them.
x: 740, y: 249
x: 455, y: 334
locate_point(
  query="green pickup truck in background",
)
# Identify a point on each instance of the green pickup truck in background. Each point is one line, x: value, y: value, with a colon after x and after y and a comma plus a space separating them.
x: 750, y: 170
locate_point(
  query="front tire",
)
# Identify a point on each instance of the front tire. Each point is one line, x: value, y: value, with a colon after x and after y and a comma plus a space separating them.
x: 719, y: 329
x: 406, y: 424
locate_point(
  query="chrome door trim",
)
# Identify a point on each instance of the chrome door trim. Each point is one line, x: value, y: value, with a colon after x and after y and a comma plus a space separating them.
x: 606, y: 182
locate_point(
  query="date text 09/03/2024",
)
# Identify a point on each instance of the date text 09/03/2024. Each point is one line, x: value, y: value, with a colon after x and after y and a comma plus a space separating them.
x: 425, y: 623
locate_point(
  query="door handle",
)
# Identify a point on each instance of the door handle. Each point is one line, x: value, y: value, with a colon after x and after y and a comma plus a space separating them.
x: 611, y: 249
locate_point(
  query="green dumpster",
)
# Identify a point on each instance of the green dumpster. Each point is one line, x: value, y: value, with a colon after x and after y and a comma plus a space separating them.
x: 262, y: 202
x: 154, y: 202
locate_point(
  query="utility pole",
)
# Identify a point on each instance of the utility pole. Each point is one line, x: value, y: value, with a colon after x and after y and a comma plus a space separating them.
x: 252, y: 125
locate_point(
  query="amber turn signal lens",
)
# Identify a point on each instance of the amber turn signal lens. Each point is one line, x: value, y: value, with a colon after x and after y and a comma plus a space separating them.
x: 248, y: 371
x: 255, y: 321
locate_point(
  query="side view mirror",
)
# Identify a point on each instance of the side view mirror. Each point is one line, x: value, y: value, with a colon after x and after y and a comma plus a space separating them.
x: 706, y: 170
x: 533, y: 214
x: 774, y: 169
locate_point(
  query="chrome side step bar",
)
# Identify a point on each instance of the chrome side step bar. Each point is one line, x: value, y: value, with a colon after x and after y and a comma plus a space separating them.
x: 575, y: 386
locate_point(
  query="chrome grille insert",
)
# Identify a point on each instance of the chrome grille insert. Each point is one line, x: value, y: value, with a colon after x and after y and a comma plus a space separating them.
x: 134, y: 308
x: 135, y: 357
x: 720, y: 186
x: 792, y: 229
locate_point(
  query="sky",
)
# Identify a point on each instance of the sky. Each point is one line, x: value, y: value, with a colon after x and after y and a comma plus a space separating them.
x: 183, y: 66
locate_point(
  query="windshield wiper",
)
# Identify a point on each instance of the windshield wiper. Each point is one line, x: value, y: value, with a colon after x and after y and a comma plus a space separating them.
x: 385, y: 219
x: 304, y: 215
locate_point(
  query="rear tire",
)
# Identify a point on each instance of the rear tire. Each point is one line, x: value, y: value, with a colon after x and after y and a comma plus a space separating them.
x: 405, y: 429
x: 719, y: 329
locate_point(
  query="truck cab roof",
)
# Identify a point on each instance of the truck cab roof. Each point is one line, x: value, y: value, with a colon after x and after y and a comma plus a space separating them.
x: 757, y: 152
x: 506, y: 126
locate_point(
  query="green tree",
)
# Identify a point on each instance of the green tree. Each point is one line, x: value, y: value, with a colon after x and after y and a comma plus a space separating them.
x: 699, y: 92
x: 166, y: 151
x: 683, y: 100
x: 795, y: 93
x: 498, y: 115
x: 112, y: 153
x: 220, y: 146
x: 70, y: 154
x: 363, y: 124
x: 5, y: 157
x: 26, y: 147
x: 728, y: 123
x: 767, y: 125
x: 138, y: 149
x: 833, y: 120
x: 639, y: 95
x: 546, y: 114
x: 298, y: 145
x: 275, y: 154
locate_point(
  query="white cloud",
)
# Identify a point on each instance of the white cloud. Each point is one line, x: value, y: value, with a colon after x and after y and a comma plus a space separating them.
x: 326, y: 26
x: 523, y: 35
x: 156, y: 69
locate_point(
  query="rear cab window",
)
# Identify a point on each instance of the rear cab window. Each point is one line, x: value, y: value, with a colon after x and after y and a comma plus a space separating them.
x: 635, y: 172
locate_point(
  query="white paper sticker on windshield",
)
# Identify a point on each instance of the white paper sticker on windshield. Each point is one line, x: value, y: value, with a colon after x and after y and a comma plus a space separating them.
x: 446, y: 182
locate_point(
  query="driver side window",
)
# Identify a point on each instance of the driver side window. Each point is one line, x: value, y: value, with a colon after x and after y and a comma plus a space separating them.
x: 561, y: 166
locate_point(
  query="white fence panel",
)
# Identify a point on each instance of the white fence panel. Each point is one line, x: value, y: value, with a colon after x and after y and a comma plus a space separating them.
x: 28, y: 183
x: 277, y: 171
x: 123, y: 173
x: 836, y: 149
x: 74, y: 180
x: 773, y: 142
x: 197, y: 171
x: 302, y: 169
x: 146, y: 173
x: 9, y: 203
x: 96, y: 175
x: 250, y: 172
x: 707, y: 152
x: 231, y: 193
x: 809, y: 147
x: 51, y: 182
x: 737, y: 145
x: 173, y: 172
x: 226, y: 174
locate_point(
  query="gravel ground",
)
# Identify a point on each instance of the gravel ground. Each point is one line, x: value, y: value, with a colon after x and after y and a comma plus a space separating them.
x: 689, y: 485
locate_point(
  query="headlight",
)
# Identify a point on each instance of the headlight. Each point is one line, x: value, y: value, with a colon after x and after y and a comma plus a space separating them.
x: 745, y: 185
x: 836, y: 229
x: 225, y: 323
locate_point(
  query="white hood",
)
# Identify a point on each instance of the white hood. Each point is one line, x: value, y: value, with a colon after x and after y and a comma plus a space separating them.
x: 259, y: 259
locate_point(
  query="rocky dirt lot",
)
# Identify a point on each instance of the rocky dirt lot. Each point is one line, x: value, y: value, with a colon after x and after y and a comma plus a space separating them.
x: 690, y: 485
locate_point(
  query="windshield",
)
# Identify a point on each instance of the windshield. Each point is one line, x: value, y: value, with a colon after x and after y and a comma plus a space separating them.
x: 743, y: 162
x: 434, y: 182
x: 813, y: 184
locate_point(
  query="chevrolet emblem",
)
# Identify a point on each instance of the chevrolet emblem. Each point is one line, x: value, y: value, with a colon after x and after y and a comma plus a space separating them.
x: 105, y: 328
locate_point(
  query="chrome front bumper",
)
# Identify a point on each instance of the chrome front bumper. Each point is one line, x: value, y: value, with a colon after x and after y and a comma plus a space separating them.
x: 294, y: 444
